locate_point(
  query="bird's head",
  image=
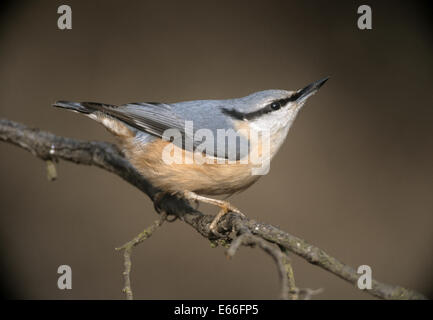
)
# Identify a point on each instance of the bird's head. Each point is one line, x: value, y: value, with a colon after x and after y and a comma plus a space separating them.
x: 272, y: 109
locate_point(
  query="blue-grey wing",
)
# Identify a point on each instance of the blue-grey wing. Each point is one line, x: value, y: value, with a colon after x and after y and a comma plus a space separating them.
x: 207, y: 116
x: 201, y: 123
x: 153, y: 118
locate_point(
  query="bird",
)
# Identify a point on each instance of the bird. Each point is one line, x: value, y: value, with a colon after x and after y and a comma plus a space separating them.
x: 188, y: 149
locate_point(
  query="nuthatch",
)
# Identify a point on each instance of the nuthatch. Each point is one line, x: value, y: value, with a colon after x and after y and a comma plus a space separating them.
x: 142, y: 130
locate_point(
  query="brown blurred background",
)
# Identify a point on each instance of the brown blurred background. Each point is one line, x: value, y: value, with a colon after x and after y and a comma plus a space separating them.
x: 354, y: 177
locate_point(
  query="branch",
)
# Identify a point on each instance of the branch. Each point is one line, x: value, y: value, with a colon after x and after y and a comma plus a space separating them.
x: 49, y: 147
x: 127, y: 251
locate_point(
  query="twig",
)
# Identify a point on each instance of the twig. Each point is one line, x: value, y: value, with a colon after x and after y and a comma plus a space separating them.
x: 291, y: 284
x: 48, y: 146
x: 127, y: 251
x: 296, y: 293
x: 247, y: 239
x: 307, y: 293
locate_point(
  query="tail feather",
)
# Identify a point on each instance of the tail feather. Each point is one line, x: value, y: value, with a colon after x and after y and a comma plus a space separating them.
x: 85, y: 107
x: 74, y: 106
x: 100, y: 112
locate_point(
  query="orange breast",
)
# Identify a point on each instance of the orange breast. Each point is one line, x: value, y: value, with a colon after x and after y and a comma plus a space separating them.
x: 210, y: 178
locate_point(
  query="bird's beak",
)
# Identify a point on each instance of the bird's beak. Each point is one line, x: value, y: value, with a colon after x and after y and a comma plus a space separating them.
x: 303, y: 94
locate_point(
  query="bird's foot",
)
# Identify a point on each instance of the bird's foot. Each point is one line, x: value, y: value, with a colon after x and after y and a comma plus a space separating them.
x: 225, y: 207
x: 157, y: 200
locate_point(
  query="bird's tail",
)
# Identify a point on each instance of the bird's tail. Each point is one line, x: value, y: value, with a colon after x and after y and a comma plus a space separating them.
x: 106, y: 114
x: 84, y: 107
x: 74, y: 106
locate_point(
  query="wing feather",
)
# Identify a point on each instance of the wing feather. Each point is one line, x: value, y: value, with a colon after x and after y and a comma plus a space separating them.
x: 152, y: 118
x: 155, y: 118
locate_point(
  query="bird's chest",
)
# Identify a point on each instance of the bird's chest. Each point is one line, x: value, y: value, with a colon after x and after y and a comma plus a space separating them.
x: 171, y: 168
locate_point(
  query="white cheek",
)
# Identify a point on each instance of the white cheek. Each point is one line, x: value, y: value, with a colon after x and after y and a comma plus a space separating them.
x: 274, y: 121
x: 278, y: 123
x: 285, y: 118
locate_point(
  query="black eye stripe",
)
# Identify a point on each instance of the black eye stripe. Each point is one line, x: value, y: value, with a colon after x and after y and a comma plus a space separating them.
x: 255, y: 114
x: 280, y: 102
x: 285, y: 101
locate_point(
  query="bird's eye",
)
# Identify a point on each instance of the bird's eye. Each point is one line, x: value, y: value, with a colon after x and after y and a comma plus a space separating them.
x: 275, y: 105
